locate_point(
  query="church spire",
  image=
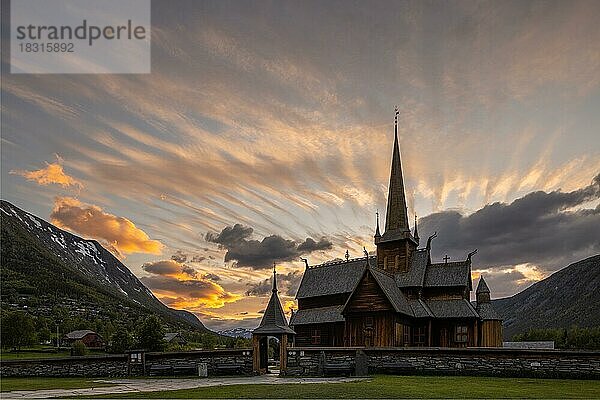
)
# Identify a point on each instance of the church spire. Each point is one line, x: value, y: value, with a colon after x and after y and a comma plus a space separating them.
x: 396, y: 218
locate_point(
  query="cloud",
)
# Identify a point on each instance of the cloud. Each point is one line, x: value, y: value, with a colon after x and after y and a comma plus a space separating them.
x: 52, y: 174
x: 309, y: 245
x: 179, y: 256
x: 548, y: 229
x: 179, y: 286
x: 169, y: 268
x: 118, y: 233
x: 211, y: 276
x: 286, y: 283
x: 261, y: 254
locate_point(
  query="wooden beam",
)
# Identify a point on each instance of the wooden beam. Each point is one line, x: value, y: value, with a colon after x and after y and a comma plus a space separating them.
x: 256, y: 354
x: 283, y: 354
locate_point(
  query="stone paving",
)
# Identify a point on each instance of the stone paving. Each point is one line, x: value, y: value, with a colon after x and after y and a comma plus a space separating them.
x: 155, y: 385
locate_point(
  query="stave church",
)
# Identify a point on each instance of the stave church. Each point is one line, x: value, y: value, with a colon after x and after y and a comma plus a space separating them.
x: 400, y: 296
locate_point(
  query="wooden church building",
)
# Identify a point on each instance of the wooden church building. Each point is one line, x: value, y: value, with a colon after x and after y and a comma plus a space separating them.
x: 400, y: 297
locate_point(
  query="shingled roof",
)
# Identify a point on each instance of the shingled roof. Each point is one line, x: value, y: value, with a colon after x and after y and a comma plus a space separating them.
x: 333, y: 278
x: 453, y: 308
x: 273, y: 320
x: 392, y: 292
x: 448, y: 274
x: 487, y: 312
x: 416, y: 274
x: 317, y: 315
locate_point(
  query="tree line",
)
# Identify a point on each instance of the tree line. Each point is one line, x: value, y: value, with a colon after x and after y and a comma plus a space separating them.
x: 572, y: 338
x: 20, y: 330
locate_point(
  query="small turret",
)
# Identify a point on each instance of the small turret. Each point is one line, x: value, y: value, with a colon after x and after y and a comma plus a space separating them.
x: 377, y: 234
x: 416, y: 235
x: 483, y: 292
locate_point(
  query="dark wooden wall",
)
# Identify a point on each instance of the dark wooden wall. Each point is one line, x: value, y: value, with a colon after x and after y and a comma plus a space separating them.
x: 322, y: 301
x: 401, y: 250
x: 331, y: 334
x: 490, y: 334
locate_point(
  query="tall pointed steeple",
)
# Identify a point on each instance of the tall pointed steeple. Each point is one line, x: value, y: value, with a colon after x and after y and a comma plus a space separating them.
x: 396, y: 218
x: 397, y: 244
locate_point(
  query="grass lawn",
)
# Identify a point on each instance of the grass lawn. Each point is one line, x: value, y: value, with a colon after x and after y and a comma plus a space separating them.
x: 24, y: 355
x: 396, y: 387
x: 9, y: 384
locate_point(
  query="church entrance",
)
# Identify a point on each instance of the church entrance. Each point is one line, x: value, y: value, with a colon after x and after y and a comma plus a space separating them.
x: 260, y: 356
x: 444, y: 337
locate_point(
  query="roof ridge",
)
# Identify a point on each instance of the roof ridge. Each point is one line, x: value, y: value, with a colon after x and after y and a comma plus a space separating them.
x: 442, y: 264
x: 338, y: 262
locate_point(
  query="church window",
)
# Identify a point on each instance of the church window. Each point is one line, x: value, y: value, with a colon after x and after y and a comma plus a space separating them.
x: 315, y: 336
x: 461, y: 334
x: 369, y: 322
x: 385, y: 262
x: 397, y: 262
x: 406, y: 335
x: 419, y: 336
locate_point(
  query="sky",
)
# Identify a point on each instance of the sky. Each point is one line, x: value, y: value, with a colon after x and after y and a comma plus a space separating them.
x: 264, y: 134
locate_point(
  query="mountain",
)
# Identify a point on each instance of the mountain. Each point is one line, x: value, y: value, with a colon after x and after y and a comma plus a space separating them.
x: 570, y: 296
x: 237, y: 332
x: 49, y: 271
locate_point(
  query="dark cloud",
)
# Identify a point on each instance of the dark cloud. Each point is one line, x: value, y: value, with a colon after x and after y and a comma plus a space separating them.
x: 212, y: 277
x: 539, y: 228
x: 310, y: 245
x: 179, y: 256
x: 168, y: 267
x: 261, y: 254
x: 286, y: 283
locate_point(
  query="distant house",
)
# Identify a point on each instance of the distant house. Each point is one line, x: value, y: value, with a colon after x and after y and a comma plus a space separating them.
x: 88, y: 337
x: 174, y: 338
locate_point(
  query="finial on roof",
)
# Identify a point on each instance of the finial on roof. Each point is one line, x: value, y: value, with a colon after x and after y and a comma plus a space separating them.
x: 416, y: 235
x: 274, y: 279
x: 347, y: 255
x: 430, y: 239
x: 305, y: 261
x: 377, y: 234
x: 396, y: 119
x: 446, y: 258
x: 471, y: 254
x: 365, y: 252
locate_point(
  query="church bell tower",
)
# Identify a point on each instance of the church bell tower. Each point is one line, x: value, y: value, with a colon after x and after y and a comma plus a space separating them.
x: 396, y: 245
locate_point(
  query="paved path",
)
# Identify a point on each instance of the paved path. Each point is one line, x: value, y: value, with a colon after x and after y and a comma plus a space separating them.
x: 155, y: 385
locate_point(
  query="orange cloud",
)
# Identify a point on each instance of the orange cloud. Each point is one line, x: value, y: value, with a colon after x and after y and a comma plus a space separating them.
x: 119, y: 234
x: 52, y: 174
x: 179, y: 286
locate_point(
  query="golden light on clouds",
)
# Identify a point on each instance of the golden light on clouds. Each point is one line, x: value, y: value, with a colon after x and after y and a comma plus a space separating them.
x: 118, y: 233
x: 181, y: 286
x: 52, y: 174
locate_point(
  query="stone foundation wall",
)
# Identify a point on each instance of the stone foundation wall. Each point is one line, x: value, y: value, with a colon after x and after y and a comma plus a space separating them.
x: 436, y: 361
x: 219, y: 362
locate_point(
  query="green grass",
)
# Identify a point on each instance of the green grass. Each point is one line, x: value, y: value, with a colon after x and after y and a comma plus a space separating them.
x: 10, y: 384
x: 396, y: 387
x: 16, y: 355
x: 26, y: 355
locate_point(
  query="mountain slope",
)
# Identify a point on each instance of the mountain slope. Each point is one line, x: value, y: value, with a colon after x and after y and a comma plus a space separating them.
x: 43, y: 266
x: 568, y: 297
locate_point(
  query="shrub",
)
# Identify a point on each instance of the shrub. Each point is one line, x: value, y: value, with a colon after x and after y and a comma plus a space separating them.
x: 79, y: 348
